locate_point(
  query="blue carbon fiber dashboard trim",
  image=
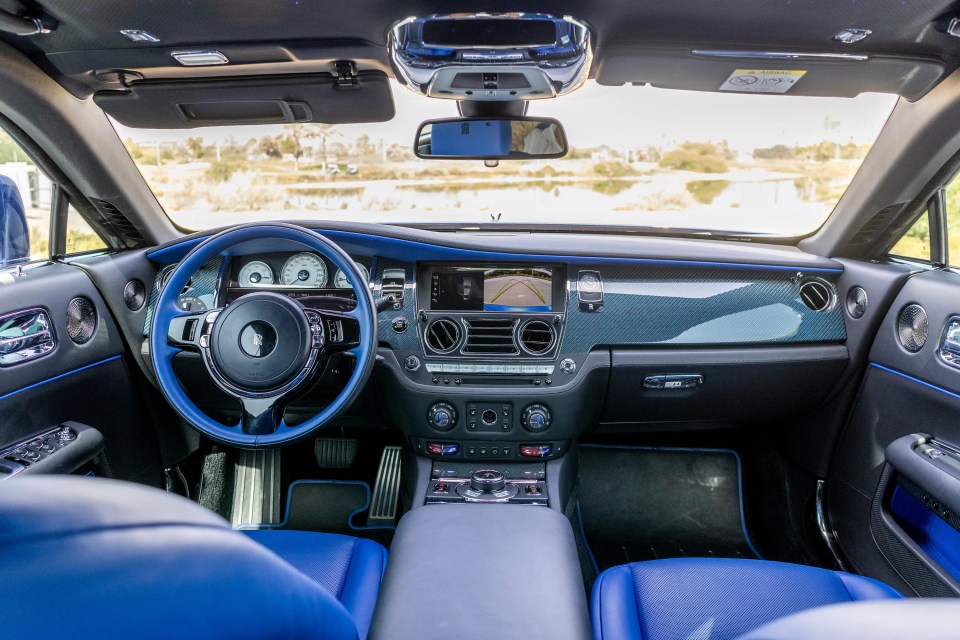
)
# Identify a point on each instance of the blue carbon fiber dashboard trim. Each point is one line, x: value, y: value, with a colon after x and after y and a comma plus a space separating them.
x: 664, y: 306
x: 414, y: 251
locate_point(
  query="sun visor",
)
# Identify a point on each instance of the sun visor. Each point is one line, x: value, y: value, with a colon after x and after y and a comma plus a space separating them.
x: 800, y: 74
x: 210, y: 102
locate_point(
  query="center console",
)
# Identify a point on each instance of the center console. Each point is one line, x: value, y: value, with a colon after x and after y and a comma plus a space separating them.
x: 478, y: 373
x: 483, y: 483
x: 482, y: 571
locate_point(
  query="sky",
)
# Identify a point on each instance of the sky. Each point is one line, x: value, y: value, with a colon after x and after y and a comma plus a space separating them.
x: 627, y: 118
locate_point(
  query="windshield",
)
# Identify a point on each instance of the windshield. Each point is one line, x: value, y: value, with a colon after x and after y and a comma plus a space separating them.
x: 639, y: 157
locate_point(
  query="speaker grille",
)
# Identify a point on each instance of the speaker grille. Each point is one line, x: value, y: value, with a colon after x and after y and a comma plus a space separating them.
x: 81, y: 320
x: 856, y: 302
x: 913, y: 327
x: 134, y: 295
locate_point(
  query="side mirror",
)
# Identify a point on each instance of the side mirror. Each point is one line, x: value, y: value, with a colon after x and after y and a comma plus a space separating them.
x: 14, y: 232
x: 491, y: 139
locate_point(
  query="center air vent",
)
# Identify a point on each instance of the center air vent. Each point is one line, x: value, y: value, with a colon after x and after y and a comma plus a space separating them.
x: 816, y: 295
x: 443, y: 335
x: 490, y: 335
x: 537, y: 337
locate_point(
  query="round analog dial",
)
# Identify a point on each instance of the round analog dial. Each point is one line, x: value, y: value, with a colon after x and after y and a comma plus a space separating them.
x: 255, y: 274
x: 589, y: 282
x: 340, y: 280
x: 304, y: 270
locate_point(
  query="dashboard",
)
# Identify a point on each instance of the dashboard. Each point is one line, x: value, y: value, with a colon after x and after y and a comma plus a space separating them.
x: 491, y: 349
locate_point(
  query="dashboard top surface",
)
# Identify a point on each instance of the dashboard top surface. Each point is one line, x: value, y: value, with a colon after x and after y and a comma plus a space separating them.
x: 412, y: 245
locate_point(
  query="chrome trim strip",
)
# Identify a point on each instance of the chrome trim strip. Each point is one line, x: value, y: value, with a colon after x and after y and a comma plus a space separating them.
x: 780, y: 55
x: 826, y: 532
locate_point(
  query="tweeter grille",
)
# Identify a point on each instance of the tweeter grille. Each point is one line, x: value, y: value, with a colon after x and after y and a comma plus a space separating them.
x: 913, y: 327
x: 134, y: 295
x: 856, y: 302
x: 81, y: 320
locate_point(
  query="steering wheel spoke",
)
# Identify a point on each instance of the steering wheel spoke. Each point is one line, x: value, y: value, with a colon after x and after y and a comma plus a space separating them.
x: 261, y: 416
x: 191, y: 330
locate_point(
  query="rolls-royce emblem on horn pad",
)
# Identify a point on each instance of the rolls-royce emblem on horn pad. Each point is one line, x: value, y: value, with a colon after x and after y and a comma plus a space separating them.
x: 258, y: 339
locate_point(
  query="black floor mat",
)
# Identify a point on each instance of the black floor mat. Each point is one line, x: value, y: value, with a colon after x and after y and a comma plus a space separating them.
x: 333, y: 507
x: 648, y: 503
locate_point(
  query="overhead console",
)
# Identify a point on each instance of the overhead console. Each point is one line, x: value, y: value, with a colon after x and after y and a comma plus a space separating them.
x: 498, y: 57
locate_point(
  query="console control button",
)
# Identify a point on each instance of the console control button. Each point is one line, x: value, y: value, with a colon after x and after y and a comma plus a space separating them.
x: 443, y: 449
x: 535, y: 418
x: 536, y: 450
x: 442, y: 416
x: 488, y: 480
x: 412, y: 363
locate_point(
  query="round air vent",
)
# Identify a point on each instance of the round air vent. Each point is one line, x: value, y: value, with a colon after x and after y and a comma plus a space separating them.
x: 817, y: 295
x: 443, y: 335
x: 537, y: 337
x: 81, y: 320
x: 134, y: 295
x: 856, y: 302
x: 913, y: 327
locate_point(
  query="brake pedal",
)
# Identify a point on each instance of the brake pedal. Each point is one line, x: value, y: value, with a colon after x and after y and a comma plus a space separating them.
x: 386, y: 490
x: 335, y: 453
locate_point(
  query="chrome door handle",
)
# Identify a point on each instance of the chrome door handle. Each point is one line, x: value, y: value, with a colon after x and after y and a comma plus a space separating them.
x: 25, y: 335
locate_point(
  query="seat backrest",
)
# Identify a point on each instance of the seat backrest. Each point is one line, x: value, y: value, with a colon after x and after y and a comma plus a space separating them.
x: 85, y: 557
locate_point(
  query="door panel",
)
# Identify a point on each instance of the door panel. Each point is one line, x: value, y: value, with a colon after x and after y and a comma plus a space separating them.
x: 904, y: 392
x: 86, y: 382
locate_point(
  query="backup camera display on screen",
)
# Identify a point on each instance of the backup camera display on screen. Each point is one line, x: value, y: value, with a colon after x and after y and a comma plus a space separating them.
x: 478, y: 289
x: 517, y: 290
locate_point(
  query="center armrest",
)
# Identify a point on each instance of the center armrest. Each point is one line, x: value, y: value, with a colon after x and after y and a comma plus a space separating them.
x: 482, y: 571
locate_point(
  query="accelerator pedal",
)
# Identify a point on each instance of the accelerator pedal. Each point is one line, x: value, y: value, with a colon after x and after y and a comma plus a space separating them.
x: 335, y: 453
x: 386, y: 490
x: 256, y: 488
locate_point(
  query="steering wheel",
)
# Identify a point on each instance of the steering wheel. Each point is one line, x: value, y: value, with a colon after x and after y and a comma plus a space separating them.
x: 264, y: 349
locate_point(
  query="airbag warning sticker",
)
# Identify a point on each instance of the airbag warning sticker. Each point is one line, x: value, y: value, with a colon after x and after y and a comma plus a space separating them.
x: 762, y: 80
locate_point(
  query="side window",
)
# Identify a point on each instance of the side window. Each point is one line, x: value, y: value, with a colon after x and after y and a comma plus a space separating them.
x: 24, y: 206
x: 915, y: 243
x: 26, y: 195
x: 953, y: 221
x: 80, y: 237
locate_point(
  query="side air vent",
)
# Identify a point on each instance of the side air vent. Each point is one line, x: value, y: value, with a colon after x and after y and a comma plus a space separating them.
x: 81, y: 320
x: 119, y: 224
x: 856, y: 302
x: 443, y: 335
x: 912, y: 328
x: 537, y: 337
x: 816, y: 295
x: 134, y: 295
x: 491, y: 335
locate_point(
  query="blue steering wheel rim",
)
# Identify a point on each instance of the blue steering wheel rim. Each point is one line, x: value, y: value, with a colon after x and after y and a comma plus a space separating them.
x: 162, y: 353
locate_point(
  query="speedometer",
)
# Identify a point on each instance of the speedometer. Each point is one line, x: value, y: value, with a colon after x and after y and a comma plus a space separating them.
x: 304, y: 270
x: 340, y: 280
x: 255, y: 274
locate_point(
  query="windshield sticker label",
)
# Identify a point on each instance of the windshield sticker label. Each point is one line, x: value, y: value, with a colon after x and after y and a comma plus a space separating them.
x: 762, y: 80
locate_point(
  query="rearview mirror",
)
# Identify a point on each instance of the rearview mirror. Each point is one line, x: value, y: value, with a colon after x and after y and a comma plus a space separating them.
x: 491, y: 139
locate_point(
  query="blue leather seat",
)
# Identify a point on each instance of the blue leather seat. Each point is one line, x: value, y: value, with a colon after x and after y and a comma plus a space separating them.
x: 350, y: 569
x: 713, y: 598
x: 84, y: 558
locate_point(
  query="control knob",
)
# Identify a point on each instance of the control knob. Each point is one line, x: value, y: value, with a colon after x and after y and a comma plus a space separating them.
x: 487, y: 480
x: 535, y: 418
x: 442, y: 416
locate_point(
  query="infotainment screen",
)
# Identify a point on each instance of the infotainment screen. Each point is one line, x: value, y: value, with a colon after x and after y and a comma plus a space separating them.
x: 501, y: 289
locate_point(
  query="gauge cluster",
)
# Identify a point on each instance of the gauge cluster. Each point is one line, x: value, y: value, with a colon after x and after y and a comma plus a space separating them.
x: 303, y: 270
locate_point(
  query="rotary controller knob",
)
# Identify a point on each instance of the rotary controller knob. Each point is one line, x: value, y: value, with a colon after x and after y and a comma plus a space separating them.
x: 535, y: 418
x: 487, y: 480
x: 442, y: 416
